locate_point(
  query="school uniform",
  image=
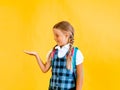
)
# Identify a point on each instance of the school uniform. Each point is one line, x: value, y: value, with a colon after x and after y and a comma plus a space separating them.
x: 63, y: 78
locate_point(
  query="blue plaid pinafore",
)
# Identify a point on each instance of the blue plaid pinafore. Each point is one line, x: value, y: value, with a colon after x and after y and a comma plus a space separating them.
x: 62, y: 78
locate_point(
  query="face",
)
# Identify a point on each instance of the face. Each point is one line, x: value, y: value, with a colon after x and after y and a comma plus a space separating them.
x: 60, y: 37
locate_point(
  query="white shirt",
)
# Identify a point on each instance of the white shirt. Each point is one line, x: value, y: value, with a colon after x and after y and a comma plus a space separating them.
x: 62, y: 51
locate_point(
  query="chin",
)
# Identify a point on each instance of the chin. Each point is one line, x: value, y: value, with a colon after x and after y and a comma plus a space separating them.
x: 59, y: 44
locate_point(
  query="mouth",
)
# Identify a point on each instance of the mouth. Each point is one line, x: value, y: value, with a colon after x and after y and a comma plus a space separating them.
x: 58, y: 42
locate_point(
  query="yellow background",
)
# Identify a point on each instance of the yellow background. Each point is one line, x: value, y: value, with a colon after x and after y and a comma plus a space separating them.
x: 27, y: 25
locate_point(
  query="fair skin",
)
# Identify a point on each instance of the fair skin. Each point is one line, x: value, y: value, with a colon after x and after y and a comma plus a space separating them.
x: 61, y: 39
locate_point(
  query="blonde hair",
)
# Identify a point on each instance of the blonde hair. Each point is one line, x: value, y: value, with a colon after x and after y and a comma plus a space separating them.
x: 66, y: 27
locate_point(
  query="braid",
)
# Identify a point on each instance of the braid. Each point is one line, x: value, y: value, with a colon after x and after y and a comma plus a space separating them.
x: 50, y: 55
x: 69, y: 54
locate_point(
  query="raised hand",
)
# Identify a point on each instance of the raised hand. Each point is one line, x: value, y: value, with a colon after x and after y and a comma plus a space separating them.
x: 30, y: 52
x: 44, y: 67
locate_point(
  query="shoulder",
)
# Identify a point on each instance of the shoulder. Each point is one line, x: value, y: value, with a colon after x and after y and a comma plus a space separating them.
x: 78, y: 52
x: 79, y: 55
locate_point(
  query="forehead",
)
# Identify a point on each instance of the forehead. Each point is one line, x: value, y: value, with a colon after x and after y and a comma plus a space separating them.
x: 59, y: 31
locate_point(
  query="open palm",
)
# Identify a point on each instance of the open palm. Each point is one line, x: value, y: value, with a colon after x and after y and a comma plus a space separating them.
x: 30, y: 52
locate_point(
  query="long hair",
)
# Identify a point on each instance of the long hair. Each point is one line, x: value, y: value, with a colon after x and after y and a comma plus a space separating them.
x: 66, y: 27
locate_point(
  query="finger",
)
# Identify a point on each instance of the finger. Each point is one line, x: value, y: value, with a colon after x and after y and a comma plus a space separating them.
x: 26, y: 52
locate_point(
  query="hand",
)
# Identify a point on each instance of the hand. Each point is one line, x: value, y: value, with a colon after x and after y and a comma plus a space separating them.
x: 30, y: 52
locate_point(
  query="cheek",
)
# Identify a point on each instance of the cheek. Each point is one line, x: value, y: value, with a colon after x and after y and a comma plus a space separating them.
x: 63, y: 39
x: 59, y: 39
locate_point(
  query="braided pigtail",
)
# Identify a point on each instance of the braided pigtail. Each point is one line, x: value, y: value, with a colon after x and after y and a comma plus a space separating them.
x: 69, y: 54
x: 51, y: 54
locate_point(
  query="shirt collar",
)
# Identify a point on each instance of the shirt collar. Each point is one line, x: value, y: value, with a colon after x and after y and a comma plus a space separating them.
x: 65, y: 46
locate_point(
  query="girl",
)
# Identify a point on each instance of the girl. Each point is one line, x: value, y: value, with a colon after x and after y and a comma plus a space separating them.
x: 65, y: 60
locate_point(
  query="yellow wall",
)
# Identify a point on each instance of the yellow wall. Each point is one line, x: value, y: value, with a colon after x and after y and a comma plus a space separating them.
x: 27, y: 25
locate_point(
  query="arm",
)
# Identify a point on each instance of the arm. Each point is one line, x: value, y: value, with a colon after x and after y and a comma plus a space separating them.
x: 79, y: 80
x: 44, y: 67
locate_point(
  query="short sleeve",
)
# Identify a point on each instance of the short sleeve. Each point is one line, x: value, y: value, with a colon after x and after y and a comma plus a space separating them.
x: 79, y: 57
x: 48, y: 54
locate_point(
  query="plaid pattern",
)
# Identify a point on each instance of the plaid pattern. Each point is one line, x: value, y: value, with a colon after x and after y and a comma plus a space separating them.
x: 62, y: 78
